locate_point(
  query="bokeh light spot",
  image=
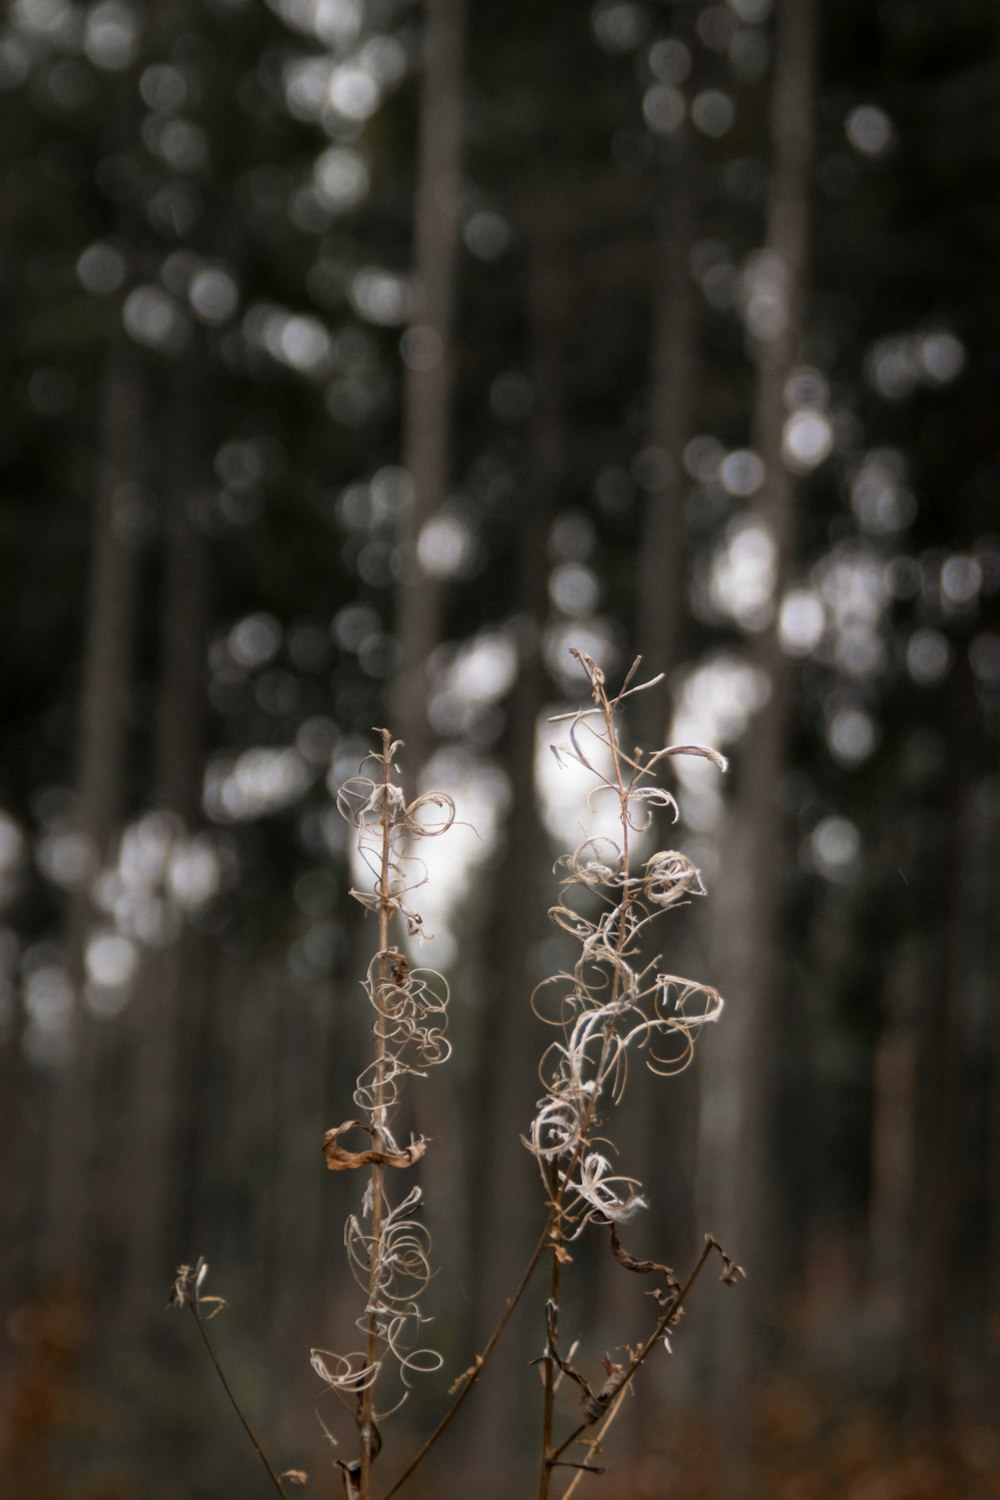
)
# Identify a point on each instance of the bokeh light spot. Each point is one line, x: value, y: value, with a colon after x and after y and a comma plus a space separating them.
x: 807, y: 438
x: 869, y: 130
x: 713, y: 112
x: 101, y: 269
x: 742, y: 472
x: 834, y: 845
x: 928, y: 655
x: 852, y: 735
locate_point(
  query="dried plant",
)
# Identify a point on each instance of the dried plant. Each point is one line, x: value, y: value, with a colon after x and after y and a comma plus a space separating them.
x: 613, y: 1005
x: 186, y: 1291
x: 388, y: 1248
x: 612, y: 1008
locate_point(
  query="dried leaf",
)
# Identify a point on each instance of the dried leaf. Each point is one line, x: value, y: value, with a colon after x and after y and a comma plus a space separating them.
x: 351, y: 1470
x: 732, y: 1274
x: 187, y: 1289
x: 705, y: 751
x: 338, y: 1159
x: 595, y: 1404
x: 640, y: 1267
x: 180, y: 1289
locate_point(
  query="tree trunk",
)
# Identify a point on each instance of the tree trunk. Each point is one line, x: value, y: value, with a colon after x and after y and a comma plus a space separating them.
x: 507, y: 1087
x: 14, y: 1128
x: 179, y: 770
x: 427, y: 347
x: 989, y: 888
x: 893, y: 1158
x: 658, y: 1113
x: 943, y: 1184
x: 662, y: 559
x: 104, y: 724
x: 748, y: 903
x: 299, y: 1183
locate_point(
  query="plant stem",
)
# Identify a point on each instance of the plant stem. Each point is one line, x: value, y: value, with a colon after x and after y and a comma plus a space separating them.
x: 545, y: 1471
x: 233, y: 1401
x: 366, y: 1404
x: 560, y: 1180
x: 662, y: 1326
x: 479, y: 1362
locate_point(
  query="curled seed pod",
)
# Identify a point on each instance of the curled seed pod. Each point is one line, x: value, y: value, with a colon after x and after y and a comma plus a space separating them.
x: 613, y: 1003
x: 387, y: 1245
x: 668, y: 878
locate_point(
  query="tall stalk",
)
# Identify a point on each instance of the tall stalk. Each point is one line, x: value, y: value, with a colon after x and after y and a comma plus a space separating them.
x: 376, y: 1180
x: 560, y: 1182
x: 390, y: 1255
x: 607, y: 1006
x: 604, y: 1007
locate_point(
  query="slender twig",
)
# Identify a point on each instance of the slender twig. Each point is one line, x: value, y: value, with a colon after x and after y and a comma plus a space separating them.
x: 594, y: 1445
x: 662, y: 1326
x: 476, y: 1368
x: 366, y: 1405
x: 549, y: 1365
x: 232, y: 1399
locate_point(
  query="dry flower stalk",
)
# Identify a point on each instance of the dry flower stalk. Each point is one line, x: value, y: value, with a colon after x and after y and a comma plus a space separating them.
x: 612, y: 1005
x: 388, y: 1254
x: 608, y: 1006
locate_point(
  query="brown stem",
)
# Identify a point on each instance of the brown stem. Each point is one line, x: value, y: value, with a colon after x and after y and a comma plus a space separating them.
x: 662, y: 1326
x: 233, y: 1401
x: 560, y: 1181
x: 545, y: 1470
x: 366, y: 1404
x: 477, y: 1366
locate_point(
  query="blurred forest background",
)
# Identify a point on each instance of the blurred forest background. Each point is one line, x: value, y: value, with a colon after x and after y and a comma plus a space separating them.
x: 360, y: 358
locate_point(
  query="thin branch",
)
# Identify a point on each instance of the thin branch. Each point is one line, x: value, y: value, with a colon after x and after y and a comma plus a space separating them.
x: 366, y: 1404
x: 548, y: 1409
x: 479, y: 1363
x: 476, y: 1368
x: 233, y: 1401
x: 662, y: 1326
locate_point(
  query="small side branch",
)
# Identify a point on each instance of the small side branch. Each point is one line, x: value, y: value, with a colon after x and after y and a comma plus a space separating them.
x: 608, y: 1401
x: 186, y: 1290
x: 471, y: 1376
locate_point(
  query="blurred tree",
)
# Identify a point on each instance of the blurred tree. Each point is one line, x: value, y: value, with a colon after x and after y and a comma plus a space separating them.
x: 160, y: 1093
x: 427, y: 351
x: 737, y: 1186
x: 104, y: 725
